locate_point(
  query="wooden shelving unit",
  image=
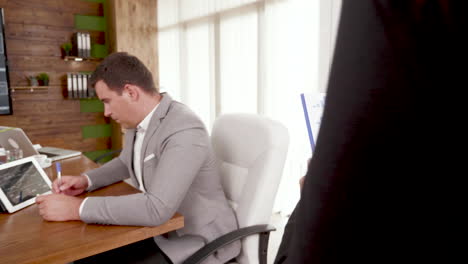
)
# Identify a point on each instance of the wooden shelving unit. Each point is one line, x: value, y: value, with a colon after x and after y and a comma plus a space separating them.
x: 43, y: 112
x: 75, y: 58
x: 31, y: 88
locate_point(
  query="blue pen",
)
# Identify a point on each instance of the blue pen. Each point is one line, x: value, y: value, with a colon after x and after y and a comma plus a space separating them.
x: 59, y: 172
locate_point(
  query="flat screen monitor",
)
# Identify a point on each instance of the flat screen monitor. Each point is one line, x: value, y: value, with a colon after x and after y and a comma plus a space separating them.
x: 5, y: 98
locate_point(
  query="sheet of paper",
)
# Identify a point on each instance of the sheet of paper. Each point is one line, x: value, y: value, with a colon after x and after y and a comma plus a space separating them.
x: 313, y: 105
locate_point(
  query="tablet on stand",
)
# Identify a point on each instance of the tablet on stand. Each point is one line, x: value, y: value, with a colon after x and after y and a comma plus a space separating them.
x: 20, y: 182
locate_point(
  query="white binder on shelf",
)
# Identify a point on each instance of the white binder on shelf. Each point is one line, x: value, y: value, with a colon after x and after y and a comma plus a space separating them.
x: 75, y: 86
x: 85, y: 86
x: 80, y: 85
x: 81, y: 44
x: 88, y: 45
x: 69, y: 85
x: 78, y: 44
x: 85, y: 52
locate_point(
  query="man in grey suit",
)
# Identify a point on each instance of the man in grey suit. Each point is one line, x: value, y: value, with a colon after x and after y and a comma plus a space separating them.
x: 167, y: 155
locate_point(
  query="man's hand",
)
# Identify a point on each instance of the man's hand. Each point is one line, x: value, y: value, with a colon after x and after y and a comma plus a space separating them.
x: 59, y: 207
x: 70, y: 185
x: 301, y: 182
x: 302, y: 179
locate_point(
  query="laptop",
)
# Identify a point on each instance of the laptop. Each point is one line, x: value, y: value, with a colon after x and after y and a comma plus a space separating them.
x: 14, y: 137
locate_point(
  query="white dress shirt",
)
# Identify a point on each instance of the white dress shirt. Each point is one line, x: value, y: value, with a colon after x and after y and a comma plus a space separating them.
x: 139, y: 136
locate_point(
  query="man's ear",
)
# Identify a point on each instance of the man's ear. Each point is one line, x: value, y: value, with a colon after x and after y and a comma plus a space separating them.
x: 131, y: 91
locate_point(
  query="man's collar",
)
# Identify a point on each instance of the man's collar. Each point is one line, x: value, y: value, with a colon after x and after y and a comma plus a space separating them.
x: 143, y: 125
x: 158, y: 113
x: 163, y: 106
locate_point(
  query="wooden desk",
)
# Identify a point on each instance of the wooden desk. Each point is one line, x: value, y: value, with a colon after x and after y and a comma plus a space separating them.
x: 26, y: 238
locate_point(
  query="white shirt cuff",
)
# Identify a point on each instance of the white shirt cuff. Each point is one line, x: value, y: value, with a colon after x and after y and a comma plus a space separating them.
x: 81, y: 206
x: 90, y: 183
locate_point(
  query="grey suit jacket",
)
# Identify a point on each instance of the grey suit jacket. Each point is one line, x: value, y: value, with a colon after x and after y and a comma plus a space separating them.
x: 179, y: 174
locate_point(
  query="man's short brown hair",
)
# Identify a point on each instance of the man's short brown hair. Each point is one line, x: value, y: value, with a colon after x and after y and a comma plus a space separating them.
x: 121, y: 68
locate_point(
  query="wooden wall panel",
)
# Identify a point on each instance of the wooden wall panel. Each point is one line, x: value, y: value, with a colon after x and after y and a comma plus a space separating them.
x: 34, y: 30
x: 133, y: 28
x: 64, y: 6
x: 135, y: 31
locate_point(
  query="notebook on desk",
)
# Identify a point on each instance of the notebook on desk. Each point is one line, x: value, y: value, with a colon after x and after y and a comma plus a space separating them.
x: 58, y: 153
x: 14, y: 137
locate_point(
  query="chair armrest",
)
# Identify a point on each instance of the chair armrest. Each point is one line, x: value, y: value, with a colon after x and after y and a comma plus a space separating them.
x: 100, y: 157
x: 226, y: 239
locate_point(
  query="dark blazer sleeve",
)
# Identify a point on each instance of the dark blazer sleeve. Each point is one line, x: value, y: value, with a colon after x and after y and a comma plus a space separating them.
x: 368, y: 195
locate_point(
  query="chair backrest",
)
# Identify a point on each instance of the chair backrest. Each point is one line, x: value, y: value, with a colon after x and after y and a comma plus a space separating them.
x: 252, y: 151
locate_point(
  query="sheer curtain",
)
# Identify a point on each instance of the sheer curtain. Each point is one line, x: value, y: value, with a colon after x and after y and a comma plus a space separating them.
x: 197, y: 80
x: 238, y: 34
x: 291, y: 68
x: 168, y: 55
x: 253, y: 56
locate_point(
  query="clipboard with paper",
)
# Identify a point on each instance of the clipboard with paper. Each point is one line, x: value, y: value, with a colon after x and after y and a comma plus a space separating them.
x: 313, y: 104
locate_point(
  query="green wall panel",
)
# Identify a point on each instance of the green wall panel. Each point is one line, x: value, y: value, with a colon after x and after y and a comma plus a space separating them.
x: 99, y: 51
x: 96, y: 131
x: 97, y: 23
x: 93, y: 105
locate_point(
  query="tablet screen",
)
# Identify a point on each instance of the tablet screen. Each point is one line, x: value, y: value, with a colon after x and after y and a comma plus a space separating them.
x: 22, y: 182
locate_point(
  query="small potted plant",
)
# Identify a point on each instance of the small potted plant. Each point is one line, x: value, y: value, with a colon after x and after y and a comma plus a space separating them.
x: 67, y: 47
x: 43, y: 79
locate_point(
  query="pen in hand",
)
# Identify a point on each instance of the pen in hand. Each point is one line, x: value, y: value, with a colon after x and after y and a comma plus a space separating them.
x: 59, y: 174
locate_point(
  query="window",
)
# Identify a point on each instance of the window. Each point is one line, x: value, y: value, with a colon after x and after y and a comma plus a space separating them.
x: 238, y: 57
x: 253, y: 56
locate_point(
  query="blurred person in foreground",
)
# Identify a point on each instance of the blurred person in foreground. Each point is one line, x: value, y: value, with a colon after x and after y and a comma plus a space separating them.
x: 382, y: 182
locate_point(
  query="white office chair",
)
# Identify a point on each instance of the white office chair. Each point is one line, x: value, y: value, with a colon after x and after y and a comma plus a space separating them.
x: 251, y: 150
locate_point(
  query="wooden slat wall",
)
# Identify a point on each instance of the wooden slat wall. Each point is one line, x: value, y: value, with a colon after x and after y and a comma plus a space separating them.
x: 135, y: 31
x: 34, y: 30
x: 132, y: 27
